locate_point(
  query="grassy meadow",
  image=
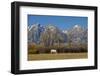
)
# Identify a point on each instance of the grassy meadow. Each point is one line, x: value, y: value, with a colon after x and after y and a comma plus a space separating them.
x: 57, y: 56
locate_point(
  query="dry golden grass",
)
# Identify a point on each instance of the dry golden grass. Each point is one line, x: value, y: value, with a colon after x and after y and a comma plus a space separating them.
x: 32, y: 57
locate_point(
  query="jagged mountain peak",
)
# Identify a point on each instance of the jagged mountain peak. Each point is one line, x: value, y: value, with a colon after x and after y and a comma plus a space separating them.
x: 65, y: 31
x: 51, y: 27
x: 34, y: 26
x: 77, y: 26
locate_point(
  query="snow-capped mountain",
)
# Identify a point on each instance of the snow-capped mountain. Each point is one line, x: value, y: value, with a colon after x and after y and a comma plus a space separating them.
x: 77, y: 34
x: 52, y: 34
x: 77, y: 28
x: 34, y: 33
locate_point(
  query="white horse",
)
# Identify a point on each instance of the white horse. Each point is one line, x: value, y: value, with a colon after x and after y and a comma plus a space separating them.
x: 53, y: 51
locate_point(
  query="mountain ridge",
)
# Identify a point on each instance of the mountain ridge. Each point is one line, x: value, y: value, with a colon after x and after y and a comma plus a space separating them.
x: 36, y: 31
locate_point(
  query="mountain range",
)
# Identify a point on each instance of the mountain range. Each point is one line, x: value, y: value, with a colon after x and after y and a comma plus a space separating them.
x: 51, y: 34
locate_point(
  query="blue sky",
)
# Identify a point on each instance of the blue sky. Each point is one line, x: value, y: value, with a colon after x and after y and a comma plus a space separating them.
x: 62, y: 22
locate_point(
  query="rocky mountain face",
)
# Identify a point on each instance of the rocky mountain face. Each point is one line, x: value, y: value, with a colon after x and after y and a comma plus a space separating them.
x: 34, y: 33
x: 77, y: 34
x: 50, y: 34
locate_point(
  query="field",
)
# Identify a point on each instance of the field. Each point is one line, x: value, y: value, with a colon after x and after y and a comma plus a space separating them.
x: 32, y: 57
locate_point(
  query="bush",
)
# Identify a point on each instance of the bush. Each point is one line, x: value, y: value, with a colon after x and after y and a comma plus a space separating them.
x: 31, y: 46
x: 38, y: 49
